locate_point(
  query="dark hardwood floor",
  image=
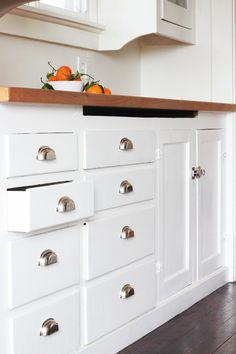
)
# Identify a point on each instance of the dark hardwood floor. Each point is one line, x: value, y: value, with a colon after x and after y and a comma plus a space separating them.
x: 207, y: 327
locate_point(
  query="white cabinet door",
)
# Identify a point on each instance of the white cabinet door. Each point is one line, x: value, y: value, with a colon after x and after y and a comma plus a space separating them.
x: 210, y: 202
x: 177, y: 212
x: 179, y: 12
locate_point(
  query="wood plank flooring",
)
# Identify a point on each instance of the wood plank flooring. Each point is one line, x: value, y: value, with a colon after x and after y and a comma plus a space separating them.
x: 207, y: 327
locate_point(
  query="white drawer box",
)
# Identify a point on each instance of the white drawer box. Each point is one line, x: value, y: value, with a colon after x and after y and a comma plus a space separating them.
x: 26, y: 325
x: 105, y: 310
x: 116, y: 241
x: 44, y: 206
x: 29, y: 154
x: 126, y: 186
x: 114, y: 148
x: 43, y: 264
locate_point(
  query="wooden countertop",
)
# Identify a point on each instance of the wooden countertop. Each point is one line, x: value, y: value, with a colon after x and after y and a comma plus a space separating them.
x: 38, y: 96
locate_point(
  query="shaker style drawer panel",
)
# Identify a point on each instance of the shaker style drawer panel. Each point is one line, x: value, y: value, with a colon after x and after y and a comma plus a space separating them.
x: 46, y: 329
x: 29, y: 154
x: 43, y: 264
x: 117, y: 300
x: 126, y: 186
x: 116, y: 241
x: 38, y: 207
x: 114, y: 148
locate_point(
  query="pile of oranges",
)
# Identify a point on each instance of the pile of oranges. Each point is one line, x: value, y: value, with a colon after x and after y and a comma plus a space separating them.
x: 64, y: 73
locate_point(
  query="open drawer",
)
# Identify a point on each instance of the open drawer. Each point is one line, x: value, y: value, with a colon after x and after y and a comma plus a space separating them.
x: 37, y: 207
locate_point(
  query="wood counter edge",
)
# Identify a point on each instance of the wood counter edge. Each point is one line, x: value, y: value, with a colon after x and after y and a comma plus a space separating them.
x: 38, y: 96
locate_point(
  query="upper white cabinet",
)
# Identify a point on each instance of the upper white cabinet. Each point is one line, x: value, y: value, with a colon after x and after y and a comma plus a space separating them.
x: 178, y: 12
x: 127, y: 20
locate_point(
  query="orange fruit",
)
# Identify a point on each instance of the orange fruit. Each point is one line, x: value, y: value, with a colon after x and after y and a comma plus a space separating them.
x: 78, y: 79
x: 52, y: 78
x: 63, y: 73
x: 94, y: 89
x: 107, y: 91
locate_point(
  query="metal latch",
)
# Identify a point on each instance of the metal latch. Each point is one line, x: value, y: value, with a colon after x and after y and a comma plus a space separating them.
x: 198, y: 172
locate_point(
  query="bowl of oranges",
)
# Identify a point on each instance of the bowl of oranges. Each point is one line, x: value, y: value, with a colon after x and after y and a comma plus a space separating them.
x: 64, y: 79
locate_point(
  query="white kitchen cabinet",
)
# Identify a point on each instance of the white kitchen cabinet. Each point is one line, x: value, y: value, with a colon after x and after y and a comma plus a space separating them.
x: 178, y: 12
x: 210, y: 201
x: 190, y: 208
x: 177, y: 230
x: 174, y: 19
x: 93, y: 276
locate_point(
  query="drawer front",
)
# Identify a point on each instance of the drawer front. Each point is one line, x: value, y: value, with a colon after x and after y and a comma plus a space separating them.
x: 106, y: 305
x: 114, y: 148
x: 30, y: 333
x: 116, y: 241
x: 29, y: 154
x: 43, y: 264
x: 41, y: 207
x: 127, y: 186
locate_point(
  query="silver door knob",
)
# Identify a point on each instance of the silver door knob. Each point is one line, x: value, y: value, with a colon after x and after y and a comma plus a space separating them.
x: 47, y: 258
x: 198, y: 172
x: 127, y: 233
x: 125, y: 187
x: 46, y: 153
x: 65, y: 205
x: 126, y: 144
x: 49, y: 327
x: 126, y: 291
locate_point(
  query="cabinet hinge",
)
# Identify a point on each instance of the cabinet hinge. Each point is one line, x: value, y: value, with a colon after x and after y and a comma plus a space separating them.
x: 198, y: 172
x: 158, y: 154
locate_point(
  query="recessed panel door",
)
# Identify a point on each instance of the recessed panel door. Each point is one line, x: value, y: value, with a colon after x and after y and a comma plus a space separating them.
x: 210, y: 202
x: 177, y: 212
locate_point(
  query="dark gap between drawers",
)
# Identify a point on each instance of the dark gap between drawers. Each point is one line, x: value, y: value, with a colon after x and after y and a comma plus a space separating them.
x: 23, y: 188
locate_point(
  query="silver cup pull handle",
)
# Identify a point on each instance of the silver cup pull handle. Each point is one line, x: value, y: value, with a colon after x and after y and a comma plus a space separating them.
x: 126, y: 144
x: 127, y: 291
x: 65, y: 205
x: 49, y: 327
x: 46, y: 153
x: 127, y: 233
x: 47, y: 258
x: 126, y: 187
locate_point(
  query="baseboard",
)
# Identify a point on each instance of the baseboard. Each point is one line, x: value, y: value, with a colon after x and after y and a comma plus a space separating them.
x: 131, y: 332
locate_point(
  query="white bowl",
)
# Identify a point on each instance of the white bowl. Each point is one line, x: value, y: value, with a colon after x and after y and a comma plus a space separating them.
x: 76, y: 86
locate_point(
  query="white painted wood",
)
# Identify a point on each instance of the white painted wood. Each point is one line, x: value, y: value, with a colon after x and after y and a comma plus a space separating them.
x: 223, y: 77
x: 210, y: 202
x: 105, y: 250
x: 126, y: 335
x: 177, y: 219
x: 120, y: 29
x: 101, y: 148
x: 29, y: 281
x: 35, y: 208
x: 180, y: 15
x: 107, y: 186
x: 105, y: 311
x: 128, y: 325
x: 24, y: 327
x: 159, y: 17
x: 22, y: 151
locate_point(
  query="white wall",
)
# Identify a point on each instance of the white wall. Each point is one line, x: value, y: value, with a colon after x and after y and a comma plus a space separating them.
x: 201, y: 72
x: 24, y: 61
